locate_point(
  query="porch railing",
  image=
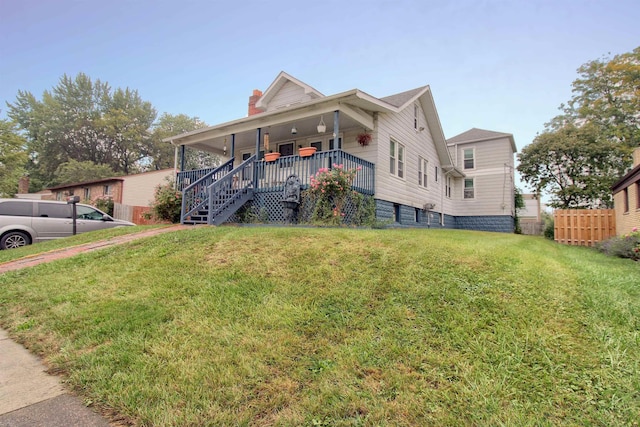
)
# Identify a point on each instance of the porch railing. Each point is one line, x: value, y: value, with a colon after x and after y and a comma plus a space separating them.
x: 194, y: 194
x: 272, y: 175
x: 187, y: 178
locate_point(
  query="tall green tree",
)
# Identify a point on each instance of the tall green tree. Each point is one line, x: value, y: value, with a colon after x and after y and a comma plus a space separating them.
x: 587, y: 148
x: 13, y: 158
x: 575, y: 165
x: 83, y: 120
x: 607, y: 94
x: 163, y: 153
x: 74, y: 171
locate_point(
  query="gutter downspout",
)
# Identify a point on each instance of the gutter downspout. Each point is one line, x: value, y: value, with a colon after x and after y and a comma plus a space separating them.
x: 444, y: 185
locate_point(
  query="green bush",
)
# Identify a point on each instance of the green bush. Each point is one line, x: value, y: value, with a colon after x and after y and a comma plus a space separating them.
x: 167, y: 203
x: 105, y: 204
x: 549, y: 228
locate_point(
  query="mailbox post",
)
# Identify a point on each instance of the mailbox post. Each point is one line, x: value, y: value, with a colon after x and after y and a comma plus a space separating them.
x: 72, y: 201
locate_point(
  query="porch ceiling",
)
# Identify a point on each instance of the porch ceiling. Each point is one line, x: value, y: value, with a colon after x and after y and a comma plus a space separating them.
x: 355, y: 112
x: 246, y: 139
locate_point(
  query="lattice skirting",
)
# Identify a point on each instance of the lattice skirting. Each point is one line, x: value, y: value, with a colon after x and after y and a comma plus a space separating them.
x: 266, y: 207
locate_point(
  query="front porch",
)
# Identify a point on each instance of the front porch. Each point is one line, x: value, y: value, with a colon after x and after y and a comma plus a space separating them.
x: 213, y: 196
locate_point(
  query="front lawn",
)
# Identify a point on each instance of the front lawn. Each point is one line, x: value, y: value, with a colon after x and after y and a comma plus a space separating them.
x: 338, y: 327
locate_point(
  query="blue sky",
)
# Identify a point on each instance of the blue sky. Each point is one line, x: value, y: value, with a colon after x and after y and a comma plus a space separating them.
x: 492, y: 64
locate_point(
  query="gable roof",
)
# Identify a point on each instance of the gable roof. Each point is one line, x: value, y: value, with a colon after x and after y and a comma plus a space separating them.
x: 356, y: 104
x: 278, y: 83
x: 479, y: 135
x: 400, y: 100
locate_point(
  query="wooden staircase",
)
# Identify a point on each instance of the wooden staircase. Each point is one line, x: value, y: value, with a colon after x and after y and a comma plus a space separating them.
x: 216, y: 196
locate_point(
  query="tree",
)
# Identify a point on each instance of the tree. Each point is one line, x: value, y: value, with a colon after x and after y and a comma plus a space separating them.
x: 607, y: 94
x: 83, y: 120
x: 586, y: 149
x: 13, y: 158
x: 576, y: 165
x: 163, y: 153
x: 74, y: 171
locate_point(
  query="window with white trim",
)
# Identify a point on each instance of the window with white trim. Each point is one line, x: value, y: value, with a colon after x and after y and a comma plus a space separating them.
x: 87, y: 193
x: 437, y: 173
x: 423, y: 167
x: 469, y: 158
x: 447, y: 189
x: 396, y: 159
x: 469, y: 188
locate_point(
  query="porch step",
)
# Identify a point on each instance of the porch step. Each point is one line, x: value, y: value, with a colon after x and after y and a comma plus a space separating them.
x: 231, y: 204
x: 226, y: 205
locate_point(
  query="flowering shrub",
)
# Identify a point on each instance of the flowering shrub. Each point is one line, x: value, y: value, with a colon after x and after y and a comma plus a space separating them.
x: 329, y: 189
x: 625, y: 246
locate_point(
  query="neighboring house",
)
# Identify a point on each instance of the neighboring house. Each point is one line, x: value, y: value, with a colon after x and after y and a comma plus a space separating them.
x: 626, y: 198
x: 127, y: 192
x: 415, y: 175
x: 530, y: 216
x: 91, y: 190
x: 486, y: 158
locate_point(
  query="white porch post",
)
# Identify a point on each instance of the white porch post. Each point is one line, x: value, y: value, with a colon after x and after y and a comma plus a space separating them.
x: 255, y: 163
x: 336, y: 130
x: 233, y: 148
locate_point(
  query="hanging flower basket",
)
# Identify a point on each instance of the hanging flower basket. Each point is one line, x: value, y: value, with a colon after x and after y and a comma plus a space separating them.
x: 364, y: 139
x: 270, y: 157
x: 306, y: 151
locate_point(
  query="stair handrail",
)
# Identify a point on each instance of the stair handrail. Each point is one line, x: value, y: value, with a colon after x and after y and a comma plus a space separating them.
x: 190, y: 203
x: 226, y: 183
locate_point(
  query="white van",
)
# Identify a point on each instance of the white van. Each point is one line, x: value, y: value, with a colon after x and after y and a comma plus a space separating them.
x: 23, y: 222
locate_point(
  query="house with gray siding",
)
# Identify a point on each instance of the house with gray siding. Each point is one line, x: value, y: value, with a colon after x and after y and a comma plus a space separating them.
x: 416, y: 177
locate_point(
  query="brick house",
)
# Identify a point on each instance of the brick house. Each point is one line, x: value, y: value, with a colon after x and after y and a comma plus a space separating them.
x: 132, y: 194
x: 626, y: 198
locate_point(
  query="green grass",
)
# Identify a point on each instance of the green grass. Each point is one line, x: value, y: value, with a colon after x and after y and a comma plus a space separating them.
x: 339, y: 327
x: 10, y: 255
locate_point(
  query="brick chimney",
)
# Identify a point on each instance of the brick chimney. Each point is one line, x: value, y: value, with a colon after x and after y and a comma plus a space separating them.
x: 23, y: 185
x: 252, y: 102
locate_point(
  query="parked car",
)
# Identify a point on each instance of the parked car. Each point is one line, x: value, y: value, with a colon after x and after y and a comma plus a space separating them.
x: 23, y: 222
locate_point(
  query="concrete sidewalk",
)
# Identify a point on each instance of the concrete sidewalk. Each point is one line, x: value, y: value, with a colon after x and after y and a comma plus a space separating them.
x: 29, y: 397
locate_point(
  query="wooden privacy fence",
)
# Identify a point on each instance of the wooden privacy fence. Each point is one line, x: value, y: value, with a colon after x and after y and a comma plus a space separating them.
x: 134, y: 214
x: 583, y: 227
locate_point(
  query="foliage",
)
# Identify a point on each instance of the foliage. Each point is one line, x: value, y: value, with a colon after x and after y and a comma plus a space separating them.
x: 587, y: 148
x: 328, y: 190
x: 83, y: 120
x: 341, y: 327
x: 626, y: 246
x: 13, y: 158
x: 606, y: 94
x: 549, y: 226
x: 575, y: 165
x: 104, y: 203
x: 73, y: 171
x: 163, y: 153
x: 518, y: 205
x: 250, y: 214
x: 167, y: 204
